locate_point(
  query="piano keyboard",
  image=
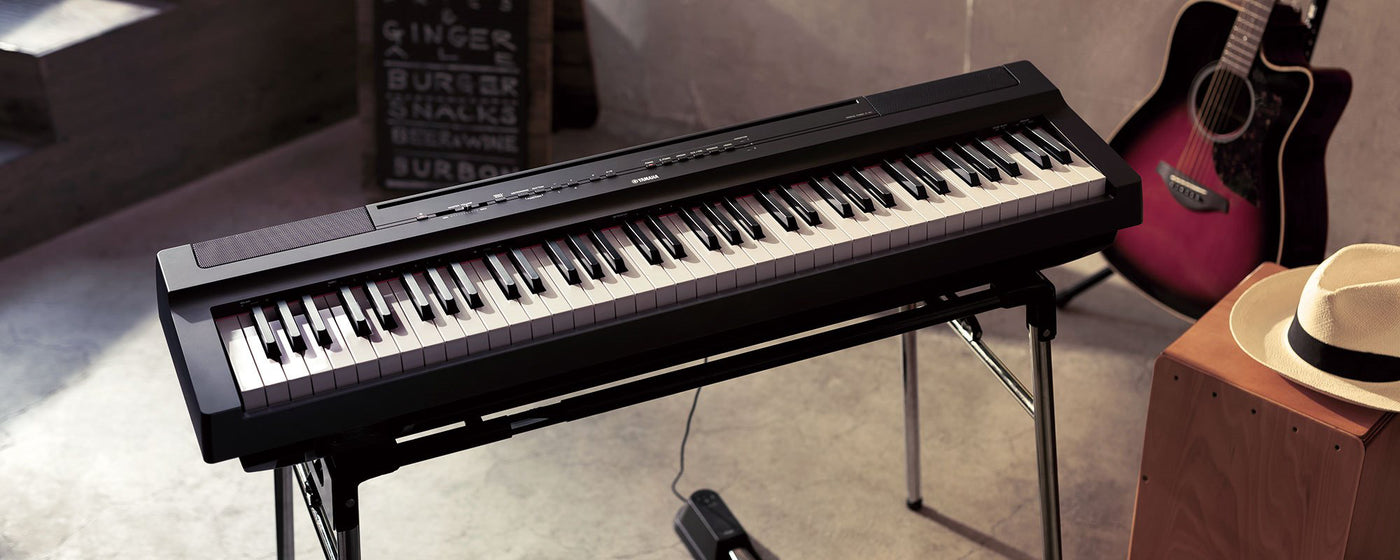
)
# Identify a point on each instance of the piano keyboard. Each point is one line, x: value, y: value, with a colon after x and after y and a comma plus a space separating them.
x: 315, y: 343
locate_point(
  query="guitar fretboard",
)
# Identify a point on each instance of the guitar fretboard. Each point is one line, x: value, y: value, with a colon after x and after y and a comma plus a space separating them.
x: 1245, y: 36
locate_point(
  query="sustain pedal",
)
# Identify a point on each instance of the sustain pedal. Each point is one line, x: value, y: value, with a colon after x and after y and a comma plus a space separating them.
x: 710, y: 531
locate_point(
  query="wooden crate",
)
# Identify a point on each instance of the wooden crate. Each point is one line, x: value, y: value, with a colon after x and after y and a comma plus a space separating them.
x: 1239, y: 462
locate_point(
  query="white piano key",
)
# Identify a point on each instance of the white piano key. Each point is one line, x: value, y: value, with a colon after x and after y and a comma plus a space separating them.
x: 1062, y: 190
x: 344, y: 368
x: 663, y: 288
x: 765, y: 267
x: 429, y: 341
x: 454, y: 339
x: 410, y: 349
x: 540, y: 323
x: 723, y: 272
x: 240, y: 359
x: 1078, y: 187
x: 474, y: 329
x: 560, y: 313
x: 745, y: 268
x: 896, y: 232
x: 298, y: 377
x: 923, y: 220
x: 274, y: 380
x: 1044, y: 195
x: 366, y: 361
x: 821, y: 249
x: 841, y: 236
x: 510, y: 309
x: 620, y: 302
x: 784, y: 261
x: 633, y: 277
x: 704, y: 277
x: 581, y: 309
x: 318, y: 365
x: 680, y: 276
x: 499, y: 329
x: 974, y: 215
x: 385, y: 348
x: 1094, y: 180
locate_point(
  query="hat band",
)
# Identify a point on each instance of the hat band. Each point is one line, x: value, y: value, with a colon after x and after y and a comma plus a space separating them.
x: 1351, y: 364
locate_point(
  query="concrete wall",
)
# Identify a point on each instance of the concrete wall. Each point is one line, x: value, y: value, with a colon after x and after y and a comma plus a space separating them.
x: 671, y: 66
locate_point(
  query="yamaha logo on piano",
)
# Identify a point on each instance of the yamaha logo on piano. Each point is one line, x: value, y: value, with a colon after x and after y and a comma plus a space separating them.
x: 645, y: 179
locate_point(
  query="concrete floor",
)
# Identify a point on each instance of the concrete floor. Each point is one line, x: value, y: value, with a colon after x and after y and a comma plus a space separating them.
x: 97, y: 458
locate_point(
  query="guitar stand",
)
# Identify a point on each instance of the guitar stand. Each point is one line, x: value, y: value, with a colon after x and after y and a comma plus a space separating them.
x: 330, y: 485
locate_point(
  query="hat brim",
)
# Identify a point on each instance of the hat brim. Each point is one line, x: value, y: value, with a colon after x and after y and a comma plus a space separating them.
x: 1259, y: 322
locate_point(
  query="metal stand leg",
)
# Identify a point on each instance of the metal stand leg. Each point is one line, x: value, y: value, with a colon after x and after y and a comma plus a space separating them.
x: 282, y: 487
x: 911, y: 418
x: 349, y: 544
x: 1045, y: 439
x: 1068, y: 295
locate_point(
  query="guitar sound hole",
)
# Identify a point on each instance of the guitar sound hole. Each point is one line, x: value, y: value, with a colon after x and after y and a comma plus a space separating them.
x: 1222, y: 104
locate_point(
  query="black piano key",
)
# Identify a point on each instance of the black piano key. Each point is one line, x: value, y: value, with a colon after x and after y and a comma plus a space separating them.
x: 927, y: 174
x: 354, y: 310
x: 641, y: 242
x: 722, y: 224
x: 527, y: 272
x: 284, y: 312
x: 700, y: 229
x: 860, y: 199
x: 381, y: 308
x: 443, y: 293
x: 666, y: 237
x: 1028, y: 149
x: 799, y: 205
x: 416, y: 295
x: 979, y: 162
x: 957, y: 167
x: 608, y: 252
x: 1047, y: 141
x: 313, y: 318
x: 265, y: 336
x: 464, y: 283
x: 836, y: 201
x: 915, y: 188
x: 998, y: 156
x: 743, y: 218
x: 560, y: 257
x: 779, y: 214
x: 876, y: 189
x: 585, y: 256
x: 502, y: 276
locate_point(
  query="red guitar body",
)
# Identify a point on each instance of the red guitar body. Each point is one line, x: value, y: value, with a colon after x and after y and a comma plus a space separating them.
x: 1223, y: 193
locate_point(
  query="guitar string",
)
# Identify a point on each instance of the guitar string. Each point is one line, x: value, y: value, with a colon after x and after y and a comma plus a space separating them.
x: 1197, y: 141
x: 1233, y: 90
x: 1199, y: 156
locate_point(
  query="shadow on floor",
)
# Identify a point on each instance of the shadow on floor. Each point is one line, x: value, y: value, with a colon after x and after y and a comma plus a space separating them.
x: 982, y: 539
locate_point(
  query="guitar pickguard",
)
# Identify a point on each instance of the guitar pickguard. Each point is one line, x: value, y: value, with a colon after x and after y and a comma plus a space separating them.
x: 1240, y: 163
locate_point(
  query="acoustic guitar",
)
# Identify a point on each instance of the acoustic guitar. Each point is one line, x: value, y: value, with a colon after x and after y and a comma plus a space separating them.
x: 1230, y: 148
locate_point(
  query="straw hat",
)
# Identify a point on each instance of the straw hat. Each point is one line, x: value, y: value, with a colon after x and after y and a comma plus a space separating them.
x: 1334, y: 327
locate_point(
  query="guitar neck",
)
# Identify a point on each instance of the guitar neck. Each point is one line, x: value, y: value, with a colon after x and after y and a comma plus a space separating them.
x: 1246, y: 35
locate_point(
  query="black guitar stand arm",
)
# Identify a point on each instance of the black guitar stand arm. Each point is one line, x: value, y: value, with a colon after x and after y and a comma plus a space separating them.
x: 329, y: 485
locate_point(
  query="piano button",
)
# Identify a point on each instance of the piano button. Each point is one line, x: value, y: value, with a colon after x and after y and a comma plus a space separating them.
x: 502, y: 276
x: 609, y: 253
x: 743, y: 218
x: 528, y: 273
x: 665, y: 237
x: 518, y: 323
x: 445, y: 299
x: 876, y: 189
x: 284, y: 314
x: 560, y: 312
x: 405, y: 336
x: 585, y: 255
x: 702, y: 231
x: 354, y: 311
x: 465, y: 286
x: 914, y: 188
x: 265, y: 336
x: 318, y: 365
x: 799, y: 205
x: 1049, y: 143
x: 779, y: 214
x: 860, y: 199
x: 959, y: 169
x: 241, y: 361
x: 979, y: 162
x: 721, y: 223
x: 722, y: 277
x: 274, y: 380
x: 381, y: 307
x: 832, y: 199
x: 928, y: 176
x: 298, y: 377
x: 385, y: 349
x: 454, y: 340
x: 997, y: 156
x: 1028, y: 149
x: 831, y: 226
x: 492, y: 317
x: 313, y: 318
x: 781, y: 244
x: 636, y: 277
x: 416, y: 298
x: 345, y: 362
x: 559, y: 256
x: 641, y: 241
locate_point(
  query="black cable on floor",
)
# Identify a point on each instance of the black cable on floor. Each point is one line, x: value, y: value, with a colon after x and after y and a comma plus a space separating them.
x: 686, y: 436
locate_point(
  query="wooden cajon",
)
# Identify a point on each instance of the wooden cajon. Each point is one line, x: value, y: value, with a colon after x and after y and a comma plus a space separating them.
x: 1239, y: 462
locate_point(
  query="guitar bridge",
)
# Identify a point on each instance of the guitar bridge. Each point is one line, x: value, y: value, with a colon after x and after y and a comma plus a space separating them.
x: 1189, y: 193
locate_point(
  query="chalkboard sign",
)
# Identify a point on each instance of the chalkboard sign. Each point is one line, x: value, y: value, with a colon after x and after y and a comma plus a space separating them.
x: 454, y: 90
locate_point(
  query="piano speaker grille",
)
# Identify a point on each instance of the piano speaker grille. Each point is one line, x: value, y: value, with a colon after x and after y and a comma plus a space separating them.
x: 273, y: 239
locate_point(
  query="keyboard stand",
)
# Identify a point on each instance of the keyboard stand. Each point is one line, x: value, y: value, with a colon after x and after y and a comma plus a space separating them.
x: 329, y: 485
